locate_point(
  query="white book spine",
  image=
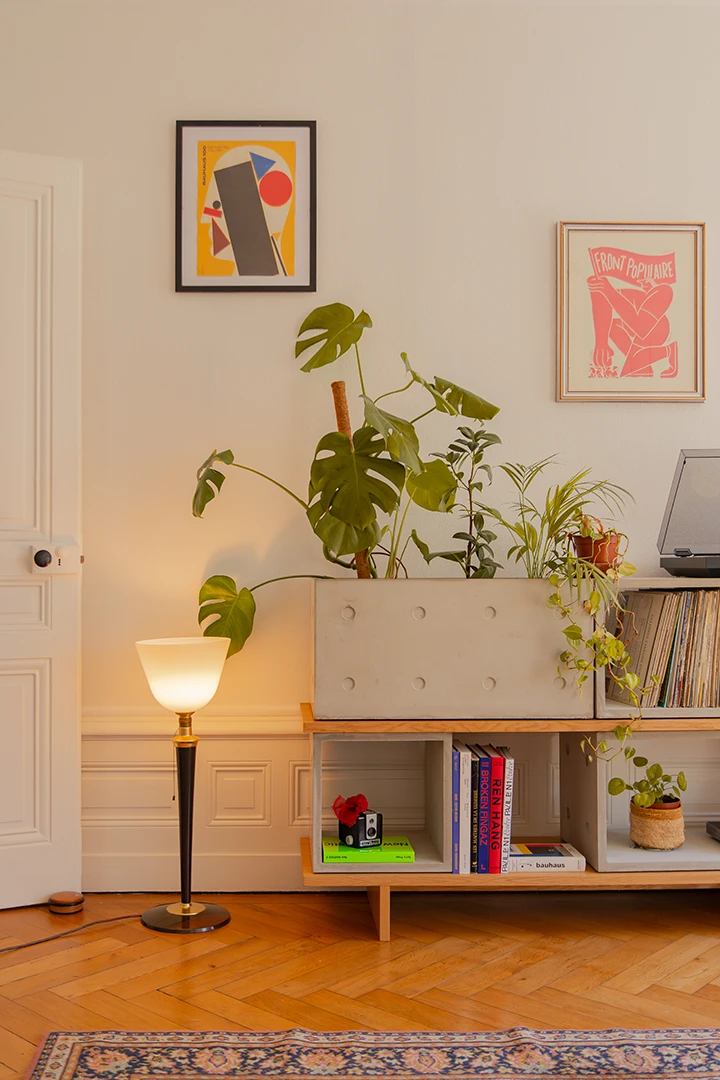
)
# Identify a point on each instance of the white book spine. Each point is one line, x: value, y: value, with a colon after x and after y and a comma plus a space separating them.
x: 465, y: 810
x: 526, y: 863
x: 507, y: 813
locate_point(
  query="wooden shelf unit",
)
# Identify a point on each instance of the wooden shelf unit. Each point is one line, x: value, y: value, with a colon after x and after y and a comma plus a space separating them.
x: 380, y: 882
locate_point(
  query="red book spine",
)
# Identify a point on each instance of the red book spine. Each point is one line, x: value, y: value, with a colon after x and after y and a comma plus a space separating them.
x: 497, y: 785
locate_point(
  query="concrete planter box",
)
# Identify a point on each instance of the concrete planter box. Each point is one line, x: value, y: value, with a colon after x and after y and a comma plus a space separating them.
x: 440, y: 648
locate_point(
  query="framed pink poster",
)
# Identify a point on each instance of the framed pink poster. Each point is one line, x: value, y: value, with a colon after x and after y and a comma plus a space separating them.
x: 631, y: 311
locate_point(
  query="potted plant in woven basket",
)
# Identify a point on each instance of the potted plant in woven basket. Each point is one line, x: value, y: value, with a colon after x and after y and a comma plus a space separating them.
x: 656, y: 815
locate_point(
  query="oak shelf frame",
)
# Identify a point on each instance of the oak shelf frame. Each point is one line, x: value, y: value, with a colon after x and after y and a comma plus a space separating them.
x: 379, y: 886
x: 400, y: 727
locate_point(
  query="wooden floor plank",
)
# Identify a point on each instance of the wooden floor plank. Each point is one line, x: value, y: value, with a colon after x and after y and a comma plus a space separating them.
x: 123, y: 1014
x: 351, y: 1009
x: 416, y: 1010
x: 696, y: 973
x: 532, y: 976
x: 173, y: 954
x: 256, y: 961
x: 659, y: 965
x: 611, y: 963
x: 299, y: 1013
x: 185, y: 1014
x: 414, y: 960
x: 15, y: 1052
x: 241, y: 1012
x: 370, y: 955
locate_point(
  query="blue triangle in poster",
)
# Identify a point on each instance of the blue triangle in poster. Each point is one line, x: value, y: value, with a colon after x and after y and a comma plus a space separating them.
x: 261, y: 164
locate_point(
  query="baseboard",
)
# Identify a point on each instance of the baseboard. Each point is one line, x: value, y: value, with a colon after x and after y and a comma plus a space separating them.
x: 160, y: 873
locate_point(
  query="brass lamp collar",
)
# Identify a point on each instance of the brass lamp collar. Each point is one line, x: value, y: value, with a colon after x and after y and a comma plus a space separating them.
x: 185, y: 735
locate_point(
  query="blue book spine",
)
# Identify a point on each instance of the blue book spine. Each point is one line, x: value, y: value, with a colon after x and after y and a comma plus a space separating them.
x: 456, y: 811
x: 484, y: 816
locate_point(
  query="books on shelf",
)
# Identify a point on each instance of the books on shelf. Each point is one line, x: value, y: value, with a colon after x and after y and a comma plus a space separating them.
x: 525, y: 858
x: 394, y: 849
x: 484, y: 781
x: 672, y: 638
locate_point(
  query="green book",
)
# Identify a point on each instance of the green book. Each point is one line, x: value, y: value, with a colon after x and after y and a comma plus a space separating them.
x: 394, y: 849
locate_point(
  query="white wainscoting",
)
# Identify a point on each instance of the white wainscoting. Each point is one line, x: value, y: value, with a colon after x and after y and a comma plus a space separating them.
x: 252, y: 803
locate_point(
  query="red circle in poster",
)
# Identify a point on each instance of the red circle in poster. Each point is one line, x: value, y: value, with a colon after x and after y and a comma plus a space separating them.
x: 275, y: 188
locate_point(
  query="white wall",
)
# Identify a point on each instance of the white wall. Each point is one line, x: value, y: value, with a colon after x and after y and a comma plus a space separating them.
x: 452, y: 136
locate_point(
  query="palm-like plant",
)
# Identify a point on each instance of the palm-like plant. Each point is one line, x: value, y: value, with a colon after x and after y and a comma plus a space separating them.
x: 541, y: 527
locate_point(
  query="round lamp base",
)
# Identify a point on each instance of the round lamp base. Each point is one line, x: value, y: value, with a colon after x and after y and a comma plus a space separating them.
x: 166, y: 918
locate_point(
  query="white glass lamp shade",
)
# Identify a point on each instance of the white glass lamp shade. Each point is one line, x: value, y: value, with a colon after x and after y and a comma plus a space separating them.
x: 183, y: 673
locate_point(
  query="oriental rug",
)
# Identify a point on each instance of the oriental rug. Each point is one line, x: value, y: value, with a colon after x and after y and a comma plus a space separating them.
x: 352, y: 1055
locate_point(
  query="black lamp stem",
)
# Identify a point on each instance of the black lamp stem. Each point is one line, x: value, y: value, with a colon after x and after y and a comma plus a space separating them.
x: 186, y: 917
x: 185, y: 757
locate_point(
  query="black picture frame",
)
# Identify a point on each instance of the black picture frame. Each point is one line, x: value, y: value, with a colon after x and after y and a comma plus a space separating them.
x: 259, y: 233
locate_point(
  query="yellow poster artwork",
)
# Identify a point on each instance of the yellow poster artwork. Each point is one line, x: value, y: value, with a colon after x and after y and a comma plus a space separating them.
x: 246, y: 209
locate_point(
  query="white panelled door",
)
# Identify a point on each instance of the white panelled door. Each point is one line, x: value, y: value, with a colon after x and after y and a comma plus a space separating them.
x: 40, y: 250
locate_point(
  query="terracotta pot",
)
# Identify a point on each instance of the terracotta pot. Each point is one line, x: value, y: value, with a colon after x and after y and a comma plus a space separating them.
x: 660, y: 827
x: 603, y: 553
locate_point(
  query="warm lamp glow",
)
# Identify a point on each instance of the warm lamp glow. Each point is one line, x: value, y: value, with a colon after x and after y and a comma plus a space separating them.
x: 183, y: 673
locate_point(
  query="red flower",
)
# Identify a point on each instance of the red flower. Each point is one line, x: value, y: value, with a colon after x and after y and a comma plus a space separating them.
x: 349, y: 810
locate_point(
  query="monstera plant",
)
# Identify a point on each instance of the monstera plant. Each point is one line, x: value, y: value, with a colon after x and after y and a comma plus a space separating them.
x: 363, y: 482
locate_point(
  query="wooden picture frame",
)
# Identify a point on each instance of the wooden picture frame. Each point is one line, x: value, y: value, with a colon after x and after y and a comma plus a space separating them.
x: 245, y: 206
x: 631, y: 311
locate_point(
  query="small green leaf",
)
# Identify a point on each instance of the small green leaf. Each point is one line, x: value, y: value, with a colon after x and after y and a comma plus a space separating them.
x: 616, y: 786
x: 641, y: 762
x: 465, y: 401
x: 210, y: 480
x: 235, y: 611
x: 339, y: 331
x: 400, y: 436
x: 654, y: 772
x: 421, y: 546
x: 681, y: 781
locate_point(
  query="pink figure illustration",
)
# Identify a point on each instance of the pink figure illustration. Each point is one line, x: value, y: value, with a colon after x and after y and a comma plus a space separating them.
x: 635, y: 321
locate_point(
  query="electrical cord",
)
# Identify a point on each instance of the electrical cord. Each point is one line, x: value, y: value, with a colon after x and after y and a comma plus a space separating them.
x: 65, y: 933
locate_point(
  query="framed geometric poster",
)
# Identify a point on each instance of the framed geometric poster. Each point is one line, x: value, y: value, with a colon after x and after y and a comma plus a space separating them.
x: 631, y: 312
x: 245, y: 206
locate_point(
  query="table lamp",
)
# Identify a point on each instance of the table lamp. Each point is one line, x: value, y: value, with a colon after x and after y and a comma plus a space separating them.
x: 183, y: 674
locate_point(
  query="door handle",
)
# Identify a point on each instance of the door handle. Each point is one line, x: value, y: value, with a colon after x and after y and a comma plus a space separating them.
x: 55, y: 558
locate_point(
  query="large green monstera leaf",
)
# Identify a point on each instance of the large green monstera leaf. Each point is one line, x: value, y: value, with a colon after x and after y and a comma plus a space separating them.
x: 339, y: 330
x: 236, y: 611
x: 349, y: 483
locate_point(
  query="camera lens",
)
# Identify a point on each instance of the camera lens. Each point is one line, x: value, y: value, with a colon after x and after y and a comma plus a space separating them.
x: 372, y: 831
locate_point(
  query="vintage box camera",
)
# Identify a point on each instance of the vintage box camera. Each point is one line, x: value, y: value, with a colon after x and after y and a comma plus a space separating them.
x: 365, y: 833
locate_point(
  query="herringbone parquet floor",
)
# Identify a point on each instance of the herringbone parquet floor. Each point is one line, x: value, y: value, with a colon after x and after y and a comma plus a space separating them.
x: 458, y: 963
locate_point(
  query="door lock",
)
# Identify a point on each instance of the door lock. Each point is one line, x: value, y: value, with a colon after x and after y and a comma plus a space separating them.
x: 52, y: 559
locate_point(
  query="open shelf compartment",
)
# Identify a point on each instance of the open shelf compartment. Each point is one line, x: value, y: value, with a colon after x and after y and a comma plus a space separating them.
x: 420, y: 766
x: 606, y: 708
x: 598, y: 824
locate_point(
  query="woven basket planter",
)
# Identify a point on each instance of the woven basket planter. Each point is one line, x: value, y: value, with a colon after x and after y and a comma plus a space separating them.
x: 657, y: 829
